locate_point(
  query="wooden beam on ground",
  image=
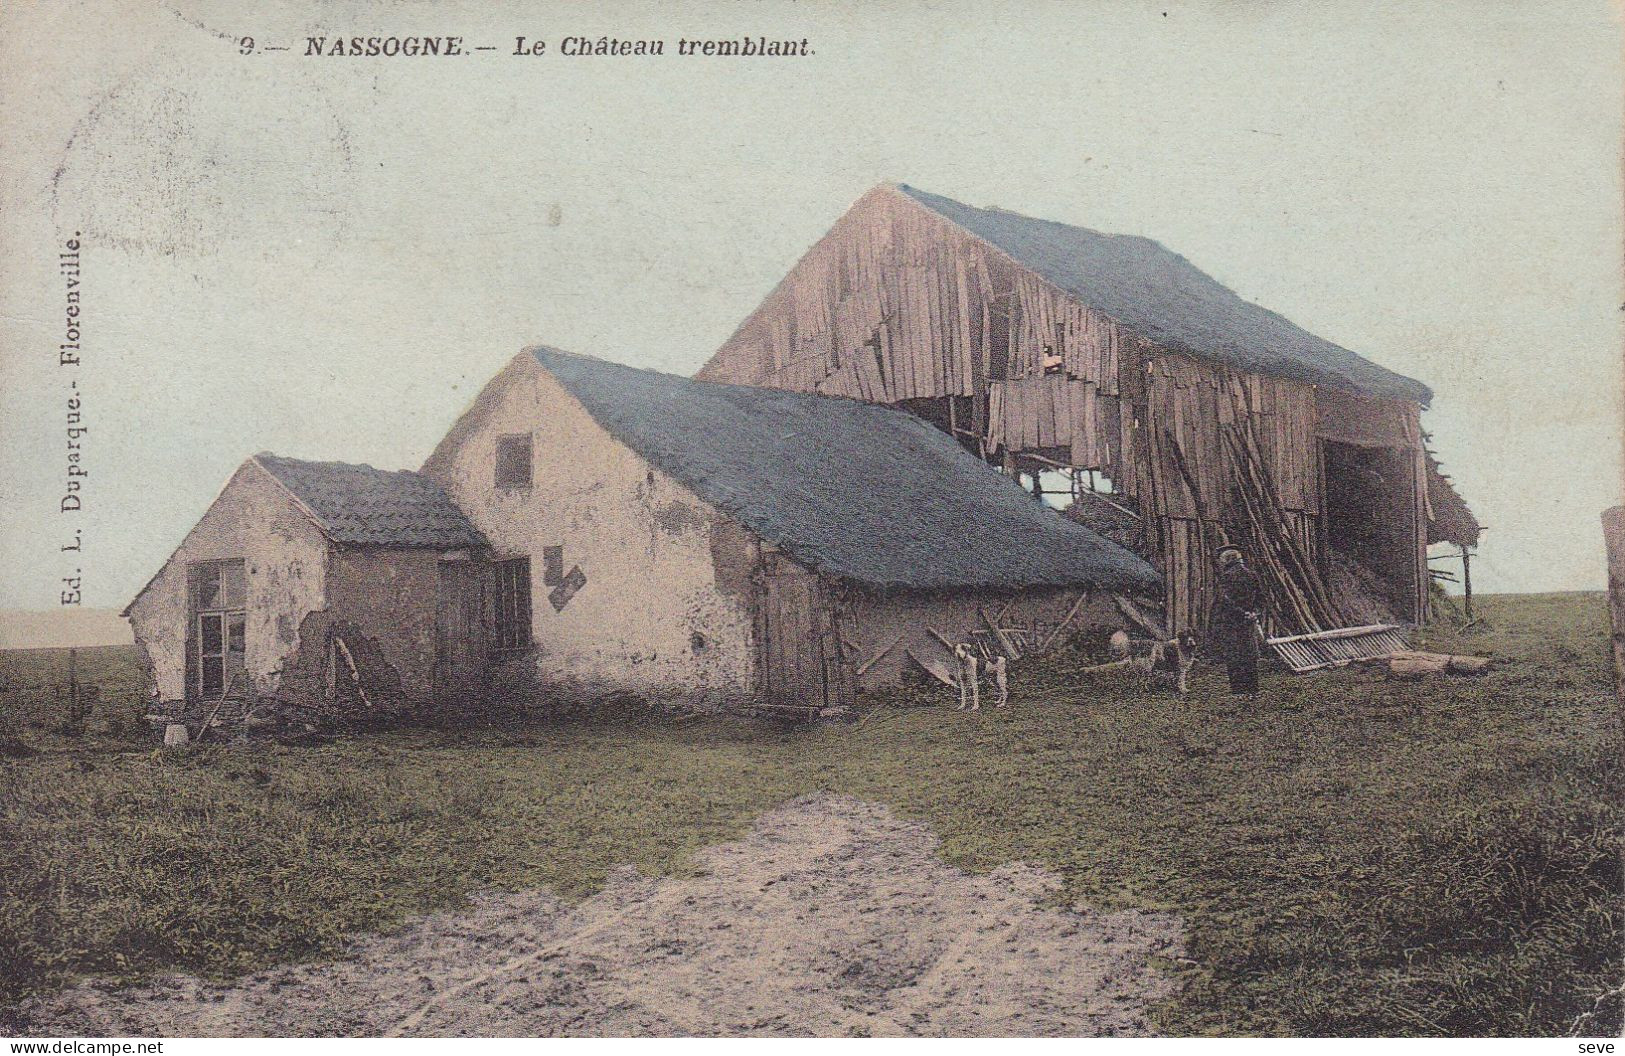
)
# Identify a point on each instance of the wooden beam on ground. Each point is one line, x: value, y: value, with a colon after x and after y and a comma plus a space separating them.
x: 933, y: 667
x: 1111, y: 666
x: 889, y: 646
x: 1415, y: 663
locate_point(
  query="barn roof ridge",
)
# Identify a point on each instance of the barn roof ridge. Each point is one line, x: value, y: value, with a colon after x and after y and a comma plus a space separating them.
x: 819, y: 477
x: 357, y: 504
x: 1160, y: 295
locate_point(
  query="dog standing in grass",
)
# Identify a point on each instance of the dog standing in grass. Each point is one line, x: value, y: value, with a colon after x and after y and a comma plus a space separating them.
x: 970, y: 688
x: 1171, y: 660
x: 1184, y: 644
x: 1001, y: 683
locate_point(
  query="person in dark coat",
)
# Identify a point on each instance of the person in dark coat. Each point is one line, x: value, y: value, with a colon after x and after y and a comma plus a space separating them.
x: 1233, y: 626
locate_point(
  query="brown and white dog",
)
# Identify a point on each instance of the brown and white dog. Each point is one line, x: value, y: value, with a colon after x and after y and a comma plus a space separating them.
x: 1171, y: 660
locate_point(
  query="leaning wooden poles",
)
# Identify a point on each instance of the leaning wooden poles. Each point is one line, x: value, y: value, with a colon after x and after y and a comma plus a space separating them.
x: 1300, y: 600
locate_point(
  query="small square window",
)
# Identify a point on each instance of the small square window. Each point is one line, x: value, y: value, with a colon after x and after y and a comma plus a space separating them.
x: 513, y: 461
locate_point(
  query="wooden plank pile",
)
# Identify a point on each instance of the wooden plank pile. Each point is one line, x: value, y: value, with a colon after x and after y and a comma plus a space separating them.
x: 1613, y: 530
x: 1300, y: 600
x: 1312, y: 652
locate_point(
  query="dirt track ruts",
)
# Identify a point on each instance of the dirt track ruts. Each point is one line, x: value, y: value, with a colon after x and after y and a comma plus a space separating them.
x: 831, y: 917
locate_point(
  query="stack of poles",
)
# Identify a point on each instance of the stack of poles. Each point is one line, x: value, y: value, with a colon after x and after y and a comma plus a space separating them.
x: 1300, y: 600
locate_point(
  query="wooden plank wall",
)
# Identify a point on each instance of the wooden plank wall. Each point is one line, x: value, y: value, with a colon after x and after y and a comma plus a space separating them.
x: 896, y: 304
x: 1613, y: 533
x: 1417, y: 451
x: 1190, y: 402
x: 1173, y: 411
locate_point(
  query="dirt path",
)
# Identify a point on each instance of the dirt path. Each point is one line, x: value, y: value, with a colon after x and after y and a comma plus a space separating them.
x: 831, y: 917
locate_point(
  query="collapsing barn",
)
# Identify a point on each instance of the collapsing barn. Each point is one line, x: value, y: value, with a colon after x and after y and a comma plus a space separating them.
x: 1201, y: 417
x: 728, y: 545
x: 319, y: 584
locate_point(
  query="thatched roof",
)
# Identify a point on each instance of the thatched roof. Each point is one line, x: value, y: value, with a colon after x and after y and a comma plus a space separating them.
x: 1164, y: 298
x: 1106, y: 518
x: 1451, y: 521
x: 363, y: 506
x: 864, y: 492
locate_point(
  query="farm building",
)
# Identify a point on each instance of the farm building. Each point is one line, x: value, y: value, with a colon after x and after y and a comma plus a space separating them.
x: 720, y: 544
x: 1158, y: 393
x: 320, y: 581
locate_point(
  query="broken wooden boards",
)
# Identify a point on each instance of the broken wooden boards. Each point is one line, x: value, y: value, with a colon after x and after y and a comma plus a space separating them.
x: 935, y: 666
x: 1334, y: 648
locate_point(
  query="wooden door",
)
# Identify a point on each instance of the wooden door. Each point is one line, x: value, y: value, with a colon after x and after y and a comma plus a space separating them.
x: 460, y: 641
x: 803, y: 667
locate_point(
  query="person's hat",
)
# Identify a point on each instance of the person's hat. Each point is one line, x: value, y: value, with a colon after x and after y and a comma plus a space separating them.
x: 1228, y: 555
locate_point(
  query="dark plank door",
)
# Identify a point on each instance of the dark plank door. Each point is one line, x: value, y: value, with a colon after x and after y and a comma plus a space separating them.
x: 460, y: 641
x: 802, y: 662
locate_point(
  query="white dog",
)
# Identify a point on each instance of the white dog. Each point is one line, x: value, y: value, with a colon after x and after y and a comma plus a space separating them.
x: 970, y: 689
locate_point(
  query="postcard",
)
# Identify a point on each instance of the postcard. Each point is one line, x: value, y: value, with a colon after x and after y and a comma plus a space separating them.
x: 923, y: 518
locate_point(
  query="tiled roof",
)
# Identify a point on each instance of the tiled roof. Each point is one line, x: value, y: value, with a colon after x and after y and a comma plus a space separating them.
x: 364, y: 506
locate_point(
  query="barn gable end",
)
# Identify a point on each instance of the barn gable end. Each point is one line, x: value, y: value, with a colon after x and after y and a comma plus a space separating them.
x: 1044, y: 346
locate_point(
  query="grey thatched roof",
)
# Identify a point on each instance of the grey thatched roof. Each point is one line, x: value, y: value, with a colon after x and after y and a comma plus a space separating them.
x: 1164, y: 298
x: 861, y: 491
x: 1105, y: 518
x: 363, y: 506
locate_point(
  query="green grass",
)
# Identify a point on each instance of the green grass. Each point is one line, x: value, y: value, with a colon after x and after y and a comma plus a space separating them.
x: 1352, y: 855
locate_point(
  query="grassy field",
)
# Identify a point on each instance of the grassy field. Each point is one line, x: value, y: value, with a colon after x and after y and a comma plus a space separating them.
x: 1352, y: 855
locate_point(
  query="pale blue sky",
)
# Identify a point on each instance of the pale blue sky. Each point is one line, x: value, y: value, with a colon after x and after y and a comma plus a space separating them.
x: 326, y: 257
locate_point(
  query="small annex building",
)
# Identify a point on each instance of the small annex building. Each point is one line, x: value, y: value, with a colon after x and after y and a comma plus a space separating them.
x: 332, y: 584
x: 731, y: 545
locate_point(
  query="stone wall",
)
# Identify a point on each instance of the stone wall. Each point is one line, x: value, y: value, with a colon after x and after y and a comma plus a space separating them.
x: 663, y: 608
x: 284, y: 558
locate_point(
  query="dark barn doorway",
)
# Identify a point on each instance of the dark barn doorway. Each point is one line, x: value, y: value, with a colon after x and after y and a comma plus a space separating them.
x: 1371, y: 514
